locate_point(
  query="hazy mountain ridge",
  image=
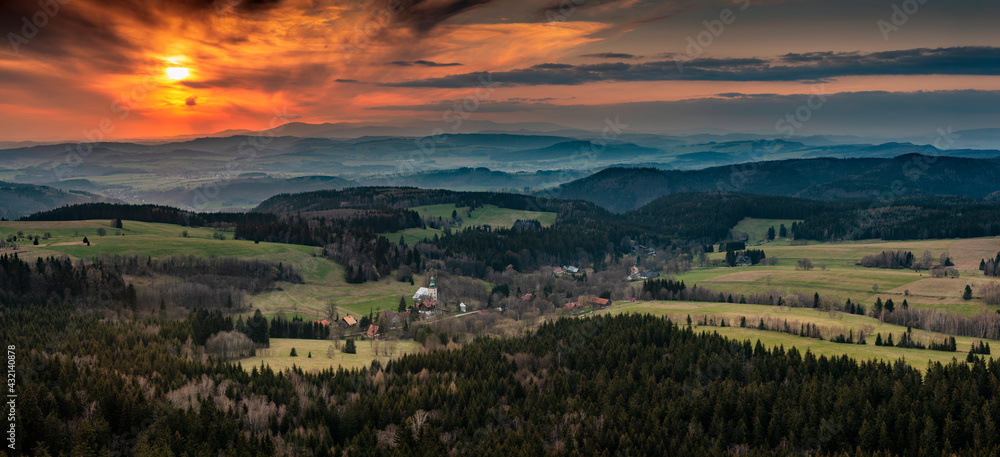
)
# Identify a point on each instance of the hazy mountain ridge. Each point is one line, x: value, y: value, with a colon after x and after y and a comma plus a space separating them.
x: 18, y: 200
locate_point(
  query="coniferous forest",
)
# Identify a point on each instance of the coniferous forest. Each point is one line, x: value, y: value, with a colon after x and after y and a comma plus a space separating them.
x: 625, y: 385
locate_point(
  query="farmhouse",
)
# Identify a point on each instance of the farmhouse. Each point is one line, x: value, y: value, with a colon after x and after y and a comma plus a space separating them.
x: 600, y: 302
x: 372, y: 332
x: 348, y: 321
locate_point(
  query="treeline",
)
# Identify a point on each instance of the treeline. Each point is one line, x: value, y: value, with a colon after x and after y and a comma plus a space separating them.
x: 406, y: 197
x: 83, y: 285
x: 904, y: 259
x: 211, y: 283
x: 365, y: 255
x: 205, y: 323
x: 888, y: 259
x: 145, y: 213
x: 984, y: 325
x: 990, y: 267
x: 904, y: 218
x: 671, y: 290
x: 298, y: 328
x: 707, y: 217
x: 252, y: 275
x: 906, y: 341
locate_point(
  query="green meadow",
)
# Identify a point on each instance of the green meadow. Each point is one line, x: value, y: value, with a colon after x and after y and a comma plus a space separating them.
x: 487, y: 215
x: 278, y: 356
x: 830, y: 325
x: 324, y: 279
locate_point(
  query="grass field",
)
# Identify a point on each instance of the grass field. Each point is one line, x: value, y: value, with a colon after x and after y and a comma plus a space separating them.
x: 831, y: 325
x: 324, y: 279
x: 756, y: 229
x: 487, y: 215
x: 278, y: 355
x: 835, y: 273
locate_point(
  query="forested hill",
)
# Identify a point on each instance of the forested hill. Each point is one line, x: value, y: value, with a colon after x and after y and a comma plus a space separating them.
x: 17, y: 200
x: 405, y: 197
x: 625, y: 385
x: 622, y: 189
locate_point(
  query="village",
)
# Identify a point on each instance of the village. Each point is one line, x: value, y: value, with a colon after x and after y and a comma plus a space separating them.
x: 425, y: 306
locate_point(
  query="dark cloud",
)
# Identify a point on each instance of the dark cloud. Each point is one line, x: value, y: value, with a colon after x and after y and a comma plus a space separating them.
x: 872, y: 113
x: 422, y: 16
x: 612, y: 55
x: 508, y: 106
x: 422, y: 63
x: 270, y: 79
x: 742, y: 95
x: 339, y: 80
x: 789, y: 67
x: 191, y: 101
x: 83, y: 33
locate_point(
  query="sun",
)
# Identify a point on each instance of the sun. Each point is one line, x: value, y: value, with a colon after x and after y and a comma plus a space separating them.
x: 178, y: 73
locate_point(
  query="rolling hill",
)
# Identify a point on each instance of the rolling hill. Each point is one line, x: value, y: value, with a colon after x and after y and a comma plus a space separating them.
x: 623, y: 189
x: 18, y: 200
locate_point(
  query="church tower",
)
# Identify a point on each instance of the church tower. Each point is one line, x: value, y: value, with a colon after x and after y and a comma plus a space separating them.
x: 432, y: 290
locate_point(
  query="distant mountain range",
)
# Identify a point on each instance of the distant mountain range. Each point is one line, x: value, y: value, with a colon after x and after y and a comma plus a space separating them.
x: 235, y: 170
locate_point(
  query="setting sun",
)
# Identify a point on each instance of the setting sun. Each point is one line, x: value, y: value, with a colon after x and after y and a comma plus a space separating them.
x: 178, y: 73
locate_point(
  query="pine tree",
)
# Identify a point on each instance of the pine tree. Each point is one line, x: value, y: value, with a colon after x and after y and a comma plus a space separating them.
x: 782, y: 231
x: 878, y: 339
x: 350, y: 347
x: 770, y: 233
x: 293, y: 354
x: 86, y: 241
x: 967, y: 295
x: 402, y: 304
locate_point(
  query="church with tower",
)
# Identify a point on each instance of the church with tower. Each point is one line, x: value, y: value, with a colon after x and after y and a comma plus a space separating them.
x: 426, y: 298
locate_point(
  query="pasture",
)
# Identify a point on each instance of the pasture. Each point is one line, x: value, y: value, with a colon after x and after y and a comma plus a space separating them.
x: 324, y: 279
x: 278, y: 355
x: 829, y: 324
x: 491, y: 215
x: 836, y: 274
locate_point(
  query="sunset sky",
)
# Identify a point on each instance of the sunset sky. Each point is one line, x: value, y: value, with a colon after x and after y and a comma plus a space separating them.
x: 156, y: 68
